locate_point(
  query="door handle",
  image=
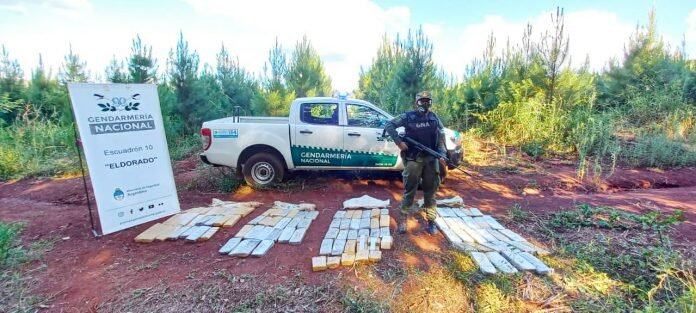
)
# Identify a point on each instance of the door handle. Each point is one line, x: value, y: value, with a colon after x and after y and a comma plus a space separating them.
x: 306, y: 132
x: 354, y: 134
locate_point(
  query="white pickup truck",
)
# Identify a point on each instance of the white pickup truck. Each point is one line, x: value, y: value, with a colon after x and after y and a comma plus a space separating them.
x: 321, y: 133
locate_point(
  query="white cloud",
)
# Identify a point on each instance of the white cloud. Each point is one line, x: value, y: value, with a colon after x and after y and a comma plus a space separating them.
x: 13, y: 7
x: 69, y: 8
x: 67, y: 4
x: 690, y: 35
x: 464, y: 45
x: 599, y: 34
x: 433, y: 30
x: 345, y: 33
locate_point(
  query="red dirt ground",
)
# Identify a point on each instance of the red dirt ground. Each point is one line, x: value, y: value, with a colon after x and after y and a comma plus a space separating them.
x: 83, y: 271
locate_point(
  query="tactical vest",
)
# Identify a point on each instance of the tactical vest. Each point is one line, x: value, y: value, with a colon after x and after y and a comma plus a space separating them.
x: 422, y: 128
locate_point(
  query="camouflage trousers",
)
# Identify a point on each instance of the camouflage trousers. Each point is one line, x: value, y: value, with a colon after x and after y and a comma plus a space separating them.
x: 426, y: 171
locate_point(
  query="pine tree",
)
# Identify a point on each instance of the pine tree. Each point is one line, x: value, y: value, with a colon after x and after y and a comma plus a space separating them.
x: 197, y: 97
x: 553, y: 51
x: 183, y: 76
x: 276, y: 69
x: 417, y: 71
x: 11, y: 86
x: 375, y: 83
x: 401, y: 69
x: 483, y: 78
x: 275, y: 96
x: 650, y: 81
x: 45, y: 95
x: 73, y: 70
x: 142, y: 67
x: 238, y: 86
x: 11, y: 76
x: 306, y: 75
x: 115, y: 72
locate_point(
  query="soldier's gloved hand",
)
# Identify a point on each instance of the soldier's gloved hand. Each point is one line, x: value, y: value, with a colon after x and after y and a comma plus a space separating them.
x: 443, y: 164
x: 402, y: 146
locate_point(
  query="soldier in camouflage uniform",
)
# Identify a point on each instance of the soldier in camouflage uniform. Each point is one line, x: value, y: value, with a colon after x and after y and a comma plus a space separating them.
x: 423, y: 126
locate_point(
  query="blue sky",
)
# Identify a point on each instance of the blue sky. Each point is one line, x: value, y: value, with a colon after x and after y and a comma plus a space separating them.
x: 672, y: 14
x: 345, y: 33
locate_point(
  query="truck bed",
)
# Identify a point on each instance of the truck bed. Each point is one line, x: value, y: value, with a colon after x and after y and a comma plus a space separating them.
x: 252, y: 119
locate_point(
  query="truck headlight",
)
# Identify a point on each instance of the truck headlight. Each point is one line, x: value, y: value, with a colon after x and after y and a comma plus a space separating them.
x: 456, y: 138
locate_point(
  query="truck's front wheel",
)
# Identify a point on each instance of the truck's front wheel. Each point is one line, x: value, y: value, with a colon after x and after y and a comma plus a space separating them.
x: 262, y: 170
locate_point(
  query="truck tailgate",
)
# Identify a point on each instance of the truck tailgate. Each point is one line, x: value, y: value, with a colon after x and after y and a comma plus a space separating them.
x: 230, y: 139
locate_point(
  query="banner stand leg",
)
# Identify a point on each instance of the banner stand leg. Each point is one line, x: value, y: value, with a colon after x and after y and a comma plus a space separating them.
x: 84, y: 183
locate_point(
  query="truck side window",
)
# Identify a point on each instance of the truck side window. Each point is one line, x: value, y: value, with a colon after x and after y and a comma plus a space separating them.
x: 362, y: 116
x: 319, y: 113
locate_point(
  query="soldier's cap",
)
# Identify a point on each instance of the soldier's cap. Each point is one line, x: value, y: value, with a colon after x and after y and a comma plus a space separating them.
x: 423, y: 95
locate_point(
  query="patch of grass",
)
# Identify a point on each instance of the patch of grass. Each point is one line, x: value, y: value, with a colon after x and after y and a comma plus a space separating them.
x: 35, y: 148
x: 658, y: 150
x: 147, y: 266
x: 654, y: 276
x: 490, y: 298
x: 355, y: 301
x: 184, y: 147
x: 391, y: 272
x: 603, y: 277
x: 463, y: 267
x: 217, y: 179
x: 223, y: 292
x: 659, y: 138
x: 8, y: 239
x: 16, y: 280
x: 586, y: 215
x: 435, y: 290
x: 592, y: 136
x: 504, y: 169
x: 516, y: 214
x: 535, y: 149
x: 609, y: 262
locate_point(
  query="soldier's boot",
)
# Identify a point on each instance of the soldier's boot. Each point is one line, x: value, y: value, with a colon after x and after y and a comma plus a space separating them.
x: 401, y: 224
x: 430, y: 214
x: 431, y: 228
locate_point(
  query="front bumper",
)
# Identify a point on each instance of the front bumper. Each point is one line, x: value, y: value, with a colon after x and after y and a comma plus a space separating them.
x: 455, y: 157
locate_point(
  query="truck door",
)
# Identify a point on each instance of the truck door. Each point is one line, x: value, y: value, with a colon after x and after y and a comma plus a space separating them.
x: 318, y: 138
x: 362, y: 138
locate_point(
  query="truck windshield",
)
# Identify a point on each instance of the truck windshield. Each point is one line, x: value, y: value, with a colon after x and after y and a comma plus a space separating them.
x: 362, y: 116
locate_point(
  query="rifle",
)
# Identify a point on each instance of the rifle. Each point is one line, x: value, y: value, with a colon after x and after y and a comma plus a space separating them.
x: 433, y: 153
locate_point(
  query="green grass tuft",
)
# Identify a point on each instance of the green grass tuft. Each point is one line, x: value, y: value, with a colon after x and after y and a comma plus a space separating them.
x: 362, y: 302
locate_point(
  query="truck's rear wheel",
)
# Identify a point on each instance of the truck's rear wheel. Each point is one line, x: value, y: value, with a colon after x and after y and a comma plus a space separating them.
x: 262, y: 170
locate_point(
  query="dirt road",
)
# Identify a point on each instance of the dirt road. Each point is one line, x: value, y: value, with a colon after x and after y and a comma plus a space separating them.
x: 83, y: 272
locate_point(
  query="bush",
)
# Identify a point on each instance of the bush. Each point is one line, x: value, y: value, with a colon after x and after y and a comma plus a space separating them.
x: 181, y: 147
x: 657, y: 150
x: 592, y: 134
x: 535, y: 148
x: 9, y: 162
x: 8, y: 238
x: 36, y: 147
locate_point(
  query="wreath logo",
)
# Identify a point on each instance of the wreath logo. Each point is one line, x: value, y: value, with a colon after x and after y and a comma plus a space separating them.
x: 118, y: 103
